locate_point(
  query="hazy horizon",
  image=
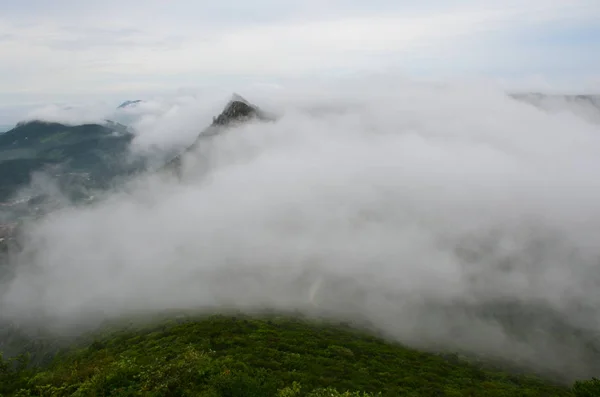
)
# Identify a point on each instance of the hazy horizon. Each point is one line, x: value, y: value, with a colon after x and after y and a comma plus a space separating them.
x: 110, y: 51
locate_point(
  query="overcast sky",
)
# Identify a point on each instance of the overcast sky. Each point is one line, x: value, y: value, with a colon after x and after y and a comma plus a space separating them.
x: 65, y: 50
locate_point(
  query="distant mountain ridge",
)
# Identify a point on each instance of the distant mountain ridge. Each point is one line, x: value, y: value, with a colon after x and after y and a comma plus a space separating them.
x: 81, y: 159
x: 537, y: 98
x: 99, y: 150
x: 32, y: 146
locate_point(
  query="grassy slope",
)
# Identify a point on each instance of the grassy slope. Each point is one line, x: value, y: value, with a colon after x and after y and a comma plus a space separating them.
x: 228, y: 356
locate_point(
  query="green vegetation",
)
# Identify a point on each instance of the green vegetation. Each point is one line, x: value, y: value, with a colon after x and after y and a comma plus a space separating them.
x: 61, y: 150
x: 54, y: 137
x: 247, y: 357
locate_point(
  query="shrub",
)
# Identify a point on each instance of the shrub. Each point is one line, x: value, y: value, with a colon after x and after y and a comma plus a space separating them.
x: 587, y: 388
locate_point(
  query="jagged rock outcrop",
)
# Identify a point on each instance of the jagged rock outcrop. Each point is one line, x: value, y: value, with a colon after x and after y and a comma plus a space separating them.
x: 129, y: 103
x: 237, y: 111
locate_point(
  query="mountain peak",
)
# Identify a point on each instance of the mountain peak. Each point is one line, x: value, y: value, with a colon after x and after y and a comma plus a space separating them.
x: 129, y: 103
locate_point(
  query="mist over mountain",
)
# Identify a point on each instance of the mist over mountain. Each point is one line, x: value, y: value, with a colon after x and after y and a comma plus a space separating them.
x: 92, y: 151
x: 450, y: 218
x: 584, y: 106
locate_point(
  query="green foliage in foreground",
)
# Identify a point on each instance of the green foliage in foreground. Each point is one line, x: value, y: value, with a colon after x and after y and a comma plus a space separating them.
x: 224, y: 356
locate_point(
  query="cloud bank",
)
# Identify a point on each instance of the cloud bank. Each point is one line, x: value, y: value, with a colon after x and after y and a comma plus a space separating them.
x: 441, y: 215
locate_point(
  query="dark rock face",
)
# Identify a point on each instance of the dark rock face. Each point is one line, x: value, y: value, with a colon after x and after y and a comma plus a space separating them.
x: 237, y: 111
x: 128, y: 103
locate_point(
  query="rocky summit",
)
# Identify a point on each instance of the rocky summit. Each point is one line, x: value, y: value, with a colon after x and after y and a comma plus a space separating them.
x: 237, y: 111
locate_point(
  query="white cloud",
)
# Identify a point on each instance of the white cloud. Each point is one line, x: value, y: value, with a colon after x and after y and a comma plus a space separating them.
x: 113, y: 50
x: 71, y: 50
x: 418, y: 207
